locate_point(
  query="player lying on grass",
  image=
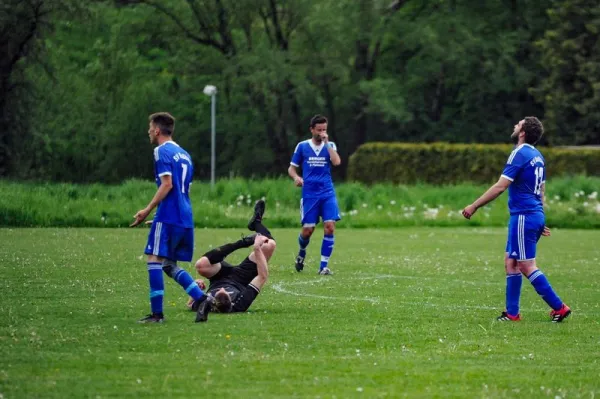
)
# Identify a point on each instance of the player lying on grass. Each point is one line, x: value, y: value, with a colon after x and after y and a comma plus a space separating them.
x: 234, y: 288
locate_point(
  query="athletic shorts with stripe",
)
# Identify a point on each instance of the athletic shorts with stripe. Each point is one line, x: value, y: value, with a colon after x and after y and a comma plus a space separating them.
x: 170, y: 242
x: 524, y: 231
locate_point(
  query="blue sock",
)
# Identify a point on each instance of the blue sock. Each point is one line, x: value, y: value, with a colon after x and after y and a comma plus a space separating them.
x: 303, y: 242
x: 185, y: 280
x: 513, y: 293
x: 544, y: 289
x: 326, y: 249
x: 157, y: 286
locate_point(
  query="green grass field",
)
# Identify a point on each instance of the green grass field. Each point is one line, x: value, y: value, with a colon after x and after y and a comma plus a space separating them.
x: 409, y: 313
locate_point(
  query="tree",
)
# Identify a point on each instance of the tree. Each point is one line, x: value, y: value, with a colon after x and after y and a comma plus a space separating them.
x: 570, y: 58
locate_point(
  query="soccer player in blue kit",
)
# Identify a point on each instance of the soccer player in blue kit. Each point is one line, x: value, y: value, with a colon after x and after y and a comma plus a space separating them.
x: 171, y: 236
x: 315, y: 156
x: 525, y: 176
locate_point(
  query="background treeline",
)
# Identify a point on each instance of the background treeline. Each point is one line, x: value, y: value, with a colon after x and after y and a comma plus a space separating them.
x: 78, y: 78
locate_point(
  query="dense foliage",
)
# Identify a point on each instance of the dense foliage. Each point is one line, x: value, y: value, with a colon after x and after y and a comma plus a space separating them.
x: 78, y: 78
x: 443, y: 163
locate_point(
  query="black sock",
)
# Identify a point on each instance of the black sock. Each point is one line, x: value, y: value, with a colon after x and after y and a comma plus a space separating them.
x: 261, y: 229
x: 218, y: 254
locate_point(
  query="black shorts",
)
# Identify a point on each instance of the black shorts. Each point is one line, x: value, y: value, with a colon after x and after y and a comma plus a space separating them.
x: 241, y: 274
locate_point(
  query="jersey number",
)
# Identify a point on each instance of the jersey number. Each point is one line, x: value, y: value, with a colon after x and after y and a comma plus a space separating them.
x: 184, y: 167
x: 539, y: 176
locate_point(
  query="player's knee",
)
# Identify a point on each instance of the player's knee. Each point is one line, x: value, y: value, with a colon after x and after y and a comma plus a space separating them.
x: 307, y: 231
x: 268, y: 248
x: 203, y: 265
x: 329, y: 227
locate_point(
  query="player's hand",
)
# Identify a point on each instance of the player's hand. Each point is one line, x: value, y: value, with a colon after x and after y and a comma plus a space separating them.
x: 298, y: 181
x: 325, y: 138
x: 469, y: 211
x: 260, y: 240
x: 546, y: 231
x: 140, y: 217
x: 201, y: 284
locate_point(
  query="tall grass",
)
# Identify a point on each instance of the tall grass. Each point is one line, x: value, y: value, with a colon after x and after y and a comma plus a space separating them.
x: 572, y: 203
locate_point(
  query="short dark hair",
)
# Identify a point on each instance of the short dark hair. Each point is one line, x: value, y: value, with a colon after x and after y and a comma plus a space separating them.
x: 315, y: 120
x: 533, y: 128
x: 223, y: 302
x: 164, y: 121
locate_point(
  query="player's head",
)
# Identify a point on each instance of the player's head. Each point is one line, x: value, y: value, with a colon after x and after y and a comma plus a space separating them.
x: 160, y: 123
x: 530, y: 130
x: 222, y: 301
x: 318, y: 125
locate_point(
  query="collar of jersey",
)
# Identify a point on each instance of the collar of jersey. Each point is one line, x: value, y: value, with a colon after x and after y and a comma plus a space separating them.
x: 167, y: 142
x: 314, y: 147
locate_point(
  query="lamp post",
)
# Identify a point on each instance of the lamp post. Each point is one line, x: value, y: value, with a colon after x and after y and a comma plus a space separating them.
x: 211, y: 91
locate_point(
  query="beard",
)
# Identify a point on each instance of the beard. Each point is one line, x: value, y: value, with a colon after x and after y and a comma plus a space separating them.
x: 317, y: 138
x: 514, y: 138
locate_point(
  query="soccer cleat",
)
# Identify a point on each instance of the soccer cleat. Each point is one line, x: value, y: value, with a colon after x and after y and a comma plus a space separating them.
x: 561, y: 314
x: 299, y: 263
x: 506, y: 317
x: 152, y: 318
x: 249, y: 240
x: 202, y: 309
x: 325, y: 271
x: 259, y: 210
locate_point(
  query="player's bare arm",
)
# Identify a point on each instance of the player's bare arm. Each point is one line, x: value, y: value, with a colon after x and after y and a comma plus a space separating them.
x: 491, y: 194
x: 261, y: 262
x: 333, y: 154
x: 166, y: 184
x: 293, y: 172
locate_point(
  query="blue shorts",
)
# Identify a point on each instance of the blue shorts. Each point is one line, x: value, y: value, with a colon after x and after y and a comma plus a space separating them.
x: 170, y: 242
x: 313, y: 208
x: 524, y: 231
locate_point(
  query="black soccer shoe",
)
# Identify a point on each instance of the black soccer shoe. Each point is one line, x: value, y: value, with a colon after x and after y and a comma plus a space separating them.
x: 248, y: 240
x: 259, y: 210
x: 202, y: 309
x: 152, y: 318
x: 299, y: 263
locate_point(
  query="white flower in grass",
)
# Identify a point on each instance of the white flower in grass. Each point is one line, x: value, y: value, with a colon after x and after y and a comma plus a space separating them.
x: 364, y: 205
x: 431, y: 213
x: 392, y: 202
x: 379, y: 207
x: 240, y: 197
x: 239, y: 204
x: 586, y: 203
x: 248, y: 201
x: 593, y: 195
x: 277, y: 204
x: 557, y: 198
x: 581, y: 192
x: 576, y: 195
x: 263, y: 198
x: 412, y: 209
x: 598, y: 208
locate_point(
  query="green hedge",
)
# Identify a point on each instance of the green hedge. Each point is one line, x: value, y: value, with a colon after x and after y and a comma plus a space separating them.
x: 443, y: 163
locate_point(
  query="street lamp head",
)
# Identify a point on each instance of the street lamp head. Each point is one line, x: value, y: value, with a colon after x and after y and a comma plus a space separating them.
x: 210, y: 90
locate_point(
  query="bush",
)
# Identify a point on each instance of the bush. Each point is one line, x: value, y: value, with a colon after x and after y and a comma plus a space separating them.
x: 443, y: 163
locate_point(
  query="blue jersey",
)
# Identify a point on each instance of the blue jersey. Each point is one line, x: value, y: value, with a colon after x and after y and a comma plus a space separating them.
x: 526, y: 170
x: 176, y: 208
x: 316, y: 169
